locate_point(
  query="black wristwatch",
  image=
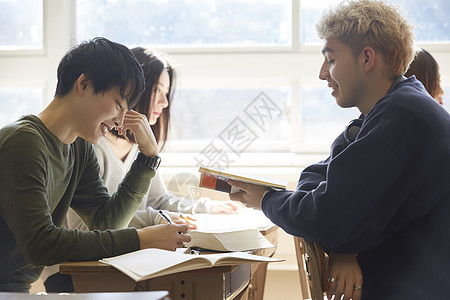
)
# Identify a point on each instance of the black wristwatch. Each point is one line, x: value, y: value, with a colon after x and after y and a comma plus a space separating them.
x: 150, y: 162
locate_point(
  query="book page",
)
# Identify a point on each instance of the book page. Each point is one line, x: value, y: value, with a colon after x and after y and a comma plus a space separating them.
x: 150, y: 263
x: 233, y: 258
x: 243, y: 240
x: 205, y: 240
x: 244, y: 218
x: 231, y: 240
x: 143, y: 263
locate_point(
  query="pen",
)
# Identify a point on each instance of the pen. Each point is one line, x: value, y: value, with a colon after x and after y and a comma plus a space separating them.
x: 166, y: 217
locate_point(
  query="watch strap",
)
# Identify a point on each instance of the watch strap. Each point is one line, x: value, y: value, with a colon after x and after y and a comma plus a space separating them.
x: 149, y: 161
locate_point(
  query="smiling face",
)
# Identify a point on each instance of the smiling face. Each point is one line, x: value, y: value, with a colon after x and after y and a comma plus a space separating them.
x: 158, y: 101
x: 343, y: 73
x: 103, y: 111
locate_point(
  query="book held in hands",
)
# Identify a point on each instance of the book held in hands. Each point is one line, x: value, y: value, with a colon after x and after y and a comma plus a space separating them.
x: 218, y: 180
x: 150, y: 263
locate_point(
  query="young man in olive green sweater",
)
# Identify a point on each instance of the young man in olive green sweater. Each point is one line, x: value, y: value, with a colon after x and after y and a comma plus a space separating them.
x: 48, y: 165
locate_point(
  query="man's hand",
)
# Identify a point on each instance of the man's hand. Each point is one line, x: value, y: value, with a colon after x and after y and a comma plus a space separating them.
x: 250, y: 194
x: 138, y: 124
x: 167, y: 237
x: 345, y: 277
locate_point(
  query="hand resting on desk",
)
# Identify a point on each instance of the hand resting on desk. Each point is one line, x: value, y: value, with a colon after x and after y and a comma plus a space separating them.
x: 167, y: 237
x: 224, y: 207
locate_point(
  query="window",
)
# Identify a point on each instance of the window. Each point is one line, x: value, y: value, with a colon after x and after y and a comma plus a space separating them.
x: 430, y: 18
x: 245, y: 118
x: 323, y: 120
x: 309, y: 12
x: 200, y: 116
x: 18, y: 102
x: 176, y: 23
x: 227, y: 53
x: 21, y: 24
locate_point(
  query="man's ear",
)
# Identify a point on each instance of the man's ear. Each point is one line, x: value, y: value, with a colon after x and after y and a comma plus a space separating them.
x: 82, y: 84
x: 368, y: 58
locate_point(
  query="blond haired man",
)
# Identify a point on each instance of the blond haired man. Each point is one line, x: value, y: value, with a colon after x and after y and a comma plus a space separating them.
x: 383, y: 192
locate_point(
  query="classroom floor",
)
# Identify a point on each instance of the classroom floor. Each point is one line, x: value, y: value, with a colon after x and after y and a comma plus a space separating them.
x: 282, y: 281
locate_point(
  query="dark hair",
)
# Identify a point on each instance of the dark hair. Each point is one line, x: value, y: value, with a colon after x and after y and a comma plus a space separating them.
x: 426, y: 69
x: 153, y: 65
x: 106, y: 64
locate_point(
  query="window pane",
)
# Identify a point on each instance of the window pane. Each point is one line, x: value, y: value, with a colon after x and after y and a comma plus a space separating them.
x: 237, y: 120
x: 186, y: 23
x: 21, y: 24
x: 429, y: 17
x: 18, y: 102
x: 323, y: 119
x: 310, y: 11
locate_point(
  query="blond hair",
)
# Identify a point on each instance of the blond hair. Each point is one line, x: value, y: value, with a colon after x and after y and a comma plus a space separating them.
x: 371, y: 23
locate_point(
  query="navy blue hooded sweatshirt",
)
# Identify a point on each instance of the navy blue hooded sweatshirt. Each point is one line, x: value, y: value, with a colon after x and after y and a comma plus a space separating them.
x: 385, y: 196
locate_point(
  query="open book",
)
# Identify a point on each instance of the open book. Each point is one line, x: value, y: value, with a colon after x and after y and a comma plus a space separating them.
x: 233, y: 240
x: 217, y: 180
x: 149, y: 263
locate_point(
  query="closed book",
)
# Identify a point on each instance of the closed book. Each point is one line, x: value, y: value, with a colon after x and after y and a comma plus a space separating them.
x: 218, y: 180
x: 232, y: 240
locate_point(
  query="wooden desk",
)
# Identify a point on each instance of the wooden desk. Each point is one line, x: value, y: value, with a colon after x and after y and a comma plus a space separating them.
x: 227, y: 282
x: 156, y: 295
x: 258, y: 281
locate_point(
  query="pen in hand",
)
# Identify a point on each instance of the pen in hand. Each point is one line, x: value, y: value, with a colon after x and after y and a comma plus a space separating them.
x: 166, y: 217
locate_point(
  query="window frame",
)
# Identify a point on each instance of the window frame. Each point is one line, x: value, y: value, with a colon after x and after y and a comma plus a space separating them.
x: 59, y: 25
x: 31, y: 52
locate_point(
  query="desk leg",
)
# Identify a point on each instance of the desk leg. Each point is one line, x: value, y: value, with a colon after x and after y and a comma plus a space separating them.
x: 243, y: 295
x: 204, y: 285
x: 257, y: 284
x: 190, y: 285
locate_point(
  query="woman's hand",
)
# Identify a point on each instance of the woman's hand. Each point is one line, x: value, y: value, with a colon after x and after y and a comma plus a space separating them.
x: 224, y: 207
x: 345, y: 277
x: 143, y: 133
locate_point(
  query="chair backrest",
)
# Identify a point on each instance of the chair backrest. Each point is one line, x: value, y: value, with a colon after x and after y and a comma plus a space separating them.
x: 312, y: 269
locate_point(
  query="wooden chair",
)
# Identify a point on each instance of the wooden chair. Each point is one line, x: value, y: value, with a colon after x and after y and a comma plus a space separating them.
x: 312, y: 269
